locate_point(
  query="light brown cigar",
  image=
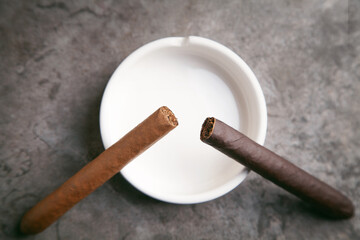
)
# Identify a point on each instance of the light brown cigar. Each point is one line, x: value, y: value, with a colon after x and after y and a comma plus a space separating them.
x: 98, y: 171
x: 276, y: 169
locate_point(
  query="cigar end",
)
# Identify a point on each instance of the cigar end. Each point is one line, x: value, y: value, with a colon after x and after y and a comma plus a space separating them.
x: 170, y: 116
x: 348, y: 210
x: 28, y: 227
x: 207, y: 128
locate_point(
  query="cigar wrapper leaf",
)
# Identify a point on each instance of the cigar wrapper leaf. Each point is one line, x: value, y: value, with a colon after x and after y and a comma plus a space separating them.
x: 98, y: 171
x: 271, y: 166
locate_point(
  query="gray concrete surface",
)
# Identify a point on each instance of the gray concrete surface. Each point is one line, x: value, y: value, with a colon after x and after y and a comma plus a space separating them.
x: 57, y: 56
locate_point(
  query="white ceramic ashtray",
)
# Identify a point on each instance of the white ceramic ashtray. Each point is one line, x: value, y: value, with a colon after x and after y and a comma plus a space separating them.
x: 196, y: 78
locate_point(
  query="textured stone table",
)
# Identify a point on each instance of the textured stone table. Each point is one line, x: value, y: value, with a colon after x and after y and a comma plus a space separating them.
x: 57, y: 56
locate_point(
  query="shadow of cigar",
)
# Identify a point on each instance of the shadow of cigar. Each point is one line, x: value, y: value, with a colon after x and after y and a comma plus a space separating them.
x: 130, y: 193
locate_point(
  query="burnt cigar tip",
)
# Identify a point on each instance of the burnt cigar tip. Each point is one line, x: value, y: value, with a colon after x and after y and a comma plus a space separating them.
x: 207, y: 128
x: 170, y: 115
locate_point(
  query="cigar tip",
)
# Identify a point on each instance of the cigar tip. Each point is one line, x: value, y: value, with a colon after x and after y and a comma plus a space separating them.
x: 26, y: 227
x: 170, y: 116
x: 349, y: 209
x: 207, y: 128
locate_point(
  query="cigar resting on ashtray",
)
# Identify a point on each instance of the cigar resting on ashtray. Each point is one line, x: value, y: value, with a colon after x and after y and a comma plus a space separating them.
x: 98, y: 171
x: 276, y: 169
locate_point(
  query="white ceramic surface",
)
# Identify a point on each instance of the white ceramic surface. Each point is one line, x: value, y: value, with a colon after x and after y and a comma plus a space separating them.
x: 196, y: 78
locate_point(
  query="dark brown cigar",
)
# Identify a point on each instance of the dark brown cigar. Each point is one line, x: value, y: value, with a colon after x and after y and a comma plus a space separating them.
x: 98, y: 171
x: 276, y: 169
